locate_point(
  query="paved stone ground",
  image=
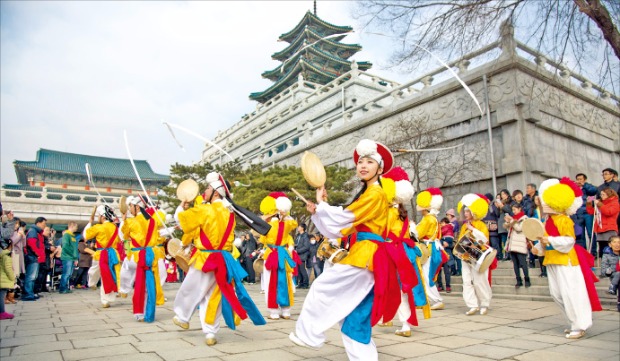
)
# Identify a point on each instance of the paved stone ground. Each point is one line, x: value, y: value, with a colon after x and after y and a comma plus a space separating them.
x: 75, y: 327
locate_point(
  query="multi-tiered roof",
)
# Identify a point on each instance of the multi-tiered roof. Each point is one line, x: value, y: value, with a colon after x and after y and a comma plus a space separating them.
x: 319, y: 63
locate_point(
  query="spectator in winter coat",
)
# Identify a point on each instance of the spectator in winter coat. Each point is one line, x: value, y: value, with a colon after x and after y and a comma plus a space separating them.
x: 314, y: 263
x: 517, y: 244
x: 610, y: 265
x: 491, y: 221
x: 582, y: 218
x: 34, y: 253
x: 303, y: 251
x: 502, y: 204
x: 608, y: 208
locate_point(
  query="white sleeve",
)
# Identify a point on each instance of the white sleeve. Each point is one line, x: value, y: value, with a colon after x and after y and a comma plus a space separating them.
x: 88, y: 225
x: 562, y: 243
x: 166, y: 231
x: 331, y: 220
x: 479, y: 236
x: 176, y: 213
x: 413, y: 229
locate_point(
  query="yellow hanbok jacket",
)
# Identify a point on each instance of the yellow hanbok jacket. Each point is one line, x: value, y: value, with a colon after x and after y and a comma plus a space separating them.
x: 369, y: 213
x: 563, y: 250
x: 271, y: 238
x: 480, y: 226
x: 212, y: 219
x: 102, y: 232
x: 428, y: 228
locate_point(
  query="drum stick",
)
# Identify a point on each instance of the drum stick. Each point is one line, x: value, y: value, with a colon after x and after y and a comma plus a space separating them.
x: 299, y: 195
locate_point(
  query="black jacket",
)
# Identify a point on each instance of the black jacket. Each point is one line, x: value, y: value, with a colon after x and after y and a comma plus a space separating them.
x: 249, y: 246
x: 303, y: 246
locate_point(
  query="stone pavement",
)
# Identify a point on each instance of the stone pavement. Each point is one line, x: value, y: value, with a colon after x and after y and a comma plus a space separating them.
x: 75, y: 327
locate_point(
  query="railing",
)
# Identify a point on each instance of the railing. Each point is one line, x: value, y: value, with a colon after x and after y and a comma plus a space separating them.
x: 319, y: 92
x: 77, y: 199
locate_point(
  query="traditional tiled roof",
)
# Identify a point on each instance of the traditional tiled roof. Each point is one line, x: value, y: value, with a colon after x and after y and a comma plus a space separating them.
x: 319, y: 63
x: 311, y: 37
x: 101, y: 167
x: 310, y: 18
x: 274, y: 74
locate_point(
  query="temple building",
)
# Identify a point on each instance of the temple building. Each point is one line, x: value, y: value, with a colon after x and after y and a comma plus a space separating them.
x: 314, y: 52
x: 55, y: 185
x: 318, y: 79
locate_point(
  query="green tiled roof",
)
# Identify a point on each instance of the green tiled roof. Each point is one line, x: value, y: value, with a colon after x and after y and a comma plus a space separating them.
x: 328, y: 60
x: 312, y: 37
x: 316, y: 51
x: 72, y: 163
x: 310, y: 18
x: 290, y: 77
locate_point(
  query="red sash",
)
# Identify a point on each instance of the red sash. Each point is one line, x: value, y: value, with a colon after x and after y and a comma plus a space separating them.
x: 139, y: 293
x: 107, y: 278
x: 217, y: 264
x: 271, y: 263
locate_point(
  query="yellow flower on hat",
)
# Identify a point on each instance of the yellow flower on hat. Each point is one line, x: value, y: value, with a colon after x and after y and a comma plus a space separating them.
x: 429, y: 199
x: 560, y: 196
x: 275, y: 202
x: 477, y: 204
x: 389, y: 187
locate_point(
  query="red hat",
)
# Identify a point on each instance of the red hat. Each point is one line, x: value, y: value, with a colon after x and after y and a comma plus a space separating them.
x: 375, y: 150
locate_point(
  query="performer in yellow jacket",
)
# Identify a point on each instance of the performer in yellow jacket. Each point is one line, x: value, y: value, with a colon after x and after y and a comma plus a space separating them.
x: 571, y: 280
x: 142, y: 265
x: 428, y: 231
x: 363, y: 287
x: 106, y: 263
x: 476, y: 287
x: 399, y: 191
x: 279, y: 265
x: 213, y: 282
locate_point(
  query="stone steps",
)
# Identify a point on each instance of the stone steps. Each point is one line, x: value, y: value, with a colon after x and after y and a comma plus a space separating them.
x: 503, y: 282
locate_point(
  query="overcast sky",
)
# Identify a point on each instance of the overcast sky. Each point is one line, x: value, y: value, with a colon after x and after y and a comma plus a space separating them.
x: 75, y: 74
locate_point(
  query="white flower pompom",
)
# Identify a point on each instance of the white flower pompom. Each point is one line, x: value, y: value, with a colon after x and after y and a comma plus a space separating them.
x: 404, y: 192
x: 436, y: 202
x: 283, y: 204
x: 366, y: 147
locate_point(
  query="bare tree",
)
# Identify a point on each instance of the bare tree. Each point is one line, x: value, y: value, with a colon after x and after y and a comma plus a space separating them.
x: 582, y: 33
x: 437, y: 168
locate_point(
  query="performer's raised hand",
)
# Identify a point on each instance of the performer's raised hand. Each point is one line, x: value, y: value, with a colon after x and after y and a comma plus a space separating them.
x: 321, y: 194
x: 311, y: 207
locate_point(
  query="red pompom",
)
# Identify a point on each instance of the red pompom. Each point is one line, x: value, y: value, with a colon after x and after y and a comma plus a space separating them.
x: 397, y: 174
x: 572, y: 185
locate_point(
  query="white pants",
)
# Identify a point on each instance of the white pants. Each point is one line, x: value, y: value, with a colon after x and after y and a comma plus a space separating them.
x: 274, y: 312
x: 94, y: 275
x: 128, y: 274
x: 568, y: 290
x: 431, y: 292
x: 476, y: 288
x: 195, y: 291
x: 404, y: 311
x: 331, y: 298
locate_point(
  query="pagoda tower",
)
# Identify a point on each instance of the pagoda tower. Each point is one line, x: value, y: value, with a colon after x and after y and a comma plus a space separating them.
x: 319, y: 63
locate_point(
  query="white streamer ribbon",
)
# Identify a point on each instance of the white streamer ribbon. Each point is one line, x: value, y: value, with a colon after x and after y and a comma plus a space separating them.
x: 190, y: 132
x: 135, y: 170
x: 92, y: 183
